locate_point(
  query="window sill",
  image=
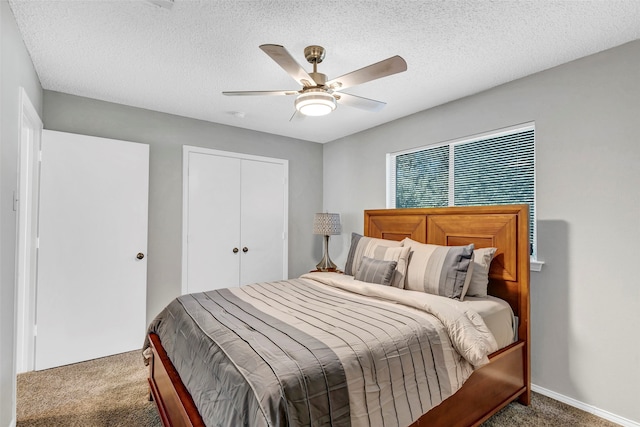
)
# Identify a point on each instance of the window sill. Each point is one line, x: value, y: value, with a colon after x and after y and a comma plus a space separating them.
x: 535, y: 265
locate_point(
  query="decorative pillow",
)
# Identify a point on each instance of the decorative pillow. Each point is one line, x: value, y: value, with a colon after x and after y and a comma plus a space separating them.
x: 401, y: 256
x: 366, y: 246
x: 480, y: 274
x: 438, y: 270
x: 376, y: 271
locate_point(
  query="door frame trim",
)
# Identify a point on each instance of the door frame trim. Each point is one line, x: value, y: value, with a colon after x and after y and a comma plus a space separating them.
x: 186, y: 151
x: 28, y: 195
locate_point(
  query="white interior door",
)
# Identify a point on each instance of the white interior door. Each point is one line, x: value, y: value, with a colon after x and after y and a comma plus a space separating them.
x: 213, y: 227
x: 233, y: 201
x: 263, y: 221
x: 91, y: 291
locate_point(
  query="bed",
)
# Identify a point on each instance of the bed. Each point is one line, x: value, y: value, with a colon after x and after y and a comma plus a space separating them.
x: 490, y: 384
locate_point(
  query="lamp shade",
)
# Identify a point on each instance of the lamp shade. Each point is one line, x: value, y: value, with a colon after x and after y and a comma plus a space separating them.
x: 327, y: 224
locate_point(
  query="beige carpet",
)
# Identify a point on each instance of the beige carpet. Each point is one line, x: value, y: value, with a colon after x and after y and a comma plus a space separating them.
x: 545, y: 412
x: 113, y: 392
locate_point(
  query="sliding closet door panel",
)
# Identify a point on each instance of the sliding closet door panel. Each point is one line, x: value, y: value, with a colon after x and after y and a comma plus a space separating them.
x: 213, y: 226
x: 91, y: 286
x: 263, y: 221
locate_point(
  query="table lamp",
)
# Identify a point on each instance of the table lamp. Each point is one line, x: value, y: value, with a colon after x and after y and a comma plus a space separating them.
x: 326, y: 224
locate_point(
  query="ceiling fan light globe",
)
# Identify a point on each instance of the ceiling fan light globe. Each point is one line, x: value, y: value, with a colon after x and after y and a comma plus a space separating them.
x: 315, y: 103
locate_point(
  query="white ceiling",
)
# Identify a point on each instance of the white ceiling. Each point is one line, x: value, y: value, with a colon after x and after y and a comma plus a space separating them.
x: 179, y: 60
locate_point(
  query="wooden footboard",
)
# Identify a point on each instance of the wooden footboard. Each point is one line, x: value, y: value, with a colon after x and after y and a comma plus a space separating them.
x: 175, y: 405
x: 487, y: 390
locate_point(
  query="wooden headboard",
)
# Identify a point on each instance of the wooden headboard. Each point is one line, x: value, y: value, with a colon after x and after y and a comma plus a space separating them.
x: 504, y: 227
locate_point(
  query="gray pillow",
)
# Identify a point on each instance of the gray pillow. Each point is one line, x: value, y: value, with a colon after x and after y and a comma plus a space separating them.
x: 376, y: 271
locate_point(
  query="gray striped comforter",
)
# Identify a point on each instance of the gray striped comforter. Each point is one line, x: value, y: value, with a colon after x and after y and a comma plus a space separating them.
x: 323, y: 349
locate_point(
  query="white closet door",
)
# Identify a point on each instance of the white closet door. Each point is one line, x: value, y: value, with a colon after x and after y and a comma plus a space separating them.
x: 91, y: 291
x: 213, y: 227
x: 233, y: 201
x: 263, y: 221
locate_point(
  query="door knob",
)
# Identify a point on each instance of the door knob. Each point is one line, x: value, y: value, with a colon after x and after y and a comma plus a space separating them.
x: 245, y: 249
x: 235, y: 250
x: 140, y: 255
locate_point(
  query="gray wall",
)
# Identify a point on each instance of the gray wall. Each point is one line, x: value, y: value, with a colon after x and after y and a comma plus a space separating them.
x: 586, y: 301
x: 166, y: 134
x: 16, y: 70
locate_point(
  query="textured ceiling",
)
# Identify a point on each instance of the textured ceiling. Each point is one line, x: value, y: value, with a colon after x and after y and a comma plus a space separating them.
x: 178, y: 60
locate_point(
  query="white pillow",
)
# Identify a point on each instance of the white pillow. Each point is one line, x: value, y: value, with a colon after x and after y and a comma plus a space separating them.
x: 480, y: 273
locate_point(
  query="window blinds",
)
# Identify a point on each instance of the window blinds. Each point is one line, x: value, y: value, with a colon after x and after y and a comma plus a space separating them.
x: 422, y: 178
x: 495, y: 171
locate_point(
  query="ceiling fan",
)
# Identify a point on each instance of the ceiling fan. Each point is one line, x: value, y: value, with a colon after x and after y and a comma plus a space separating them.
x: 318, y: 96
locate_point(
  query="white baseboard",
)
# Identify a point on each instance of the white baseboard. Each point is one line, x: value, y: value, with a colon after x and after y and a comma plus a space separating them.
x: 12, y: 423
x: 585, y: 407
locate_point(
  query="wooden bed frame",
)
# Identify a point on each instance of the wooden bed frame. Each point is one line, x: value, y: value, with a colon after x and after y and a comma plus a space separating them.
x: 506, y: 378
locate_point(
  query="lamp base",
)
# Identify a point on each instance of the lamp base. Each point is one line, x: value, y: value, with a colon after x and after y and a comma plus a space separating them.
x: 326, y: 267
x: 326, y: 264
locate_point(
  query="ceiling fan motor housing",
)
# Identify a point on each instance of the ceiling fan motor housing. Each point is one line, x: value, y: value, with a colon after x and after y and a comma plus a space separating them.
x: 314, y: 54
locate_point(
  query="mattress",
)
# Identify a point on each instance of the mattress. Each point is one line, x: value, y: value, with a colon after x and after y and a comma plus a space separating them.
x: 498, y: 316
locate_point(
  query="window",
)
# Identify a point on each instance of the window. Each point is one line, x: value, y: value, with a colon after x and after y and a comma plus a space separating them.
x: 489, y: 169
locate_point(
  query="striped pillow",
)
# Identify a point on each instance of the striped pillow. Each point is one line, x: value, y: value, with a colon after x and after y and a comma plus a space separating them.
x: 401, y: 256
x: 376, y: 271
x: 386, y: 250
x: 369, y: 246
x: 438, y: 270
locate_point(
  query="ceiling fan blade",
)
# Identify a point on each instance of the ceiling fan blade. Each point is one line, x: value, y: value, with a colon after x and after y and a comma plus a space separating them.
x: 359, y: 102
x: 284, y: 59
x: 384, y: 68
x: 261, y: 92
